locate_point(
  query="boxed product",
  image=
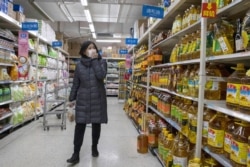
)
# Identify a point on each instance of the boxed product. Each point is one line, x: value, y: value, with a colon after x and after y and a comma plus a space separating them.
x: 20, y: 17
x: 18, y: 8
x: 137, y: 26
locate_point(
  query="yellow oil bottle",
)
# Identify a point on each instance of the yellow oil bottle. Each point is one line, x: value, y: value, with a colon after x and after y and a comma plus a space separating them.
x: 239, y: 144
x: 192, y: 131
x: 196, y: 82
x: 185, y: 80
x: 233, y: 87
x: 244, y: 102
x: 179, y: 74
x: 207, y: 116
x: 173, y: 56
x: 153, y: 136
x: 180, y: 153
x: 161, y: 139
x: 193, y: 15
x: 196, y: 54
x: 183, y: 108
x: 216, y: 133
x: 142, y: 143
x: 178, y: 23
x: 184, y: 118
x: 167, y: 146
x: 196, y: 162
x: 191, y: 81
x: 172, y: 75
x: 173, y: 106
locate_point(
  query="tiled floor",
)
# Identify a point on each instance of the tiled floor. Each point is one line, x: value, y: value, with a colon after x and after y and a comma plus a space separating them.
x: 31, y: 146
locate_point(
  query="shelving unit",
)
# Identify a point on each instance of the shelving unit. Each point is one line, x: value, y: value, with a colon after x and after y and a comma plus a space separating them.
x: 35, y: 98
x: 167, y: 44
x: 113, y: 77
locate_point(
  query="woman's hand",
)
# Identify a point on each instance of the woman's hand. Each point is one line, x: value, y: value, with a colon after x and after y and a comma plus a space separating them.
x: 94, y: 56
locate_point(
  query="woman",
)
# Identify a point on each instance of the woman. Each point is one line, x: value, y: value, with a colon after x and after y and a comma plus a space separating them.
x: 89, y: 92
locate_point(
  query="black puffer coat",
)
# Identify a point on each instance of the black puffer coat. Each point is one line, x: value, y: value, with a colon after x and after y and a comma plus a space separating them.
x: 89, y: 92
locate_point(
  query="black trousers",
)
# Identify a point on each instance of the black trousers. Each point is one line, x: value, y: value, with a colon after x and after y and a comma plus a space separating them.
x: 79, y: 134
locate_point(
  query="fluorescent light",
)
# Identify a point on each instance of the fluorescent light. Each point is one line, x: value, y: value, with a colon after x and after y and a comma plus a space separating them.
x: 92, y: 28
x: 117, y: 35
x: 109, y: 40
x: 66, y: 12
x: 88, y: 16
x: 84, y: 2
x: 94, y: 35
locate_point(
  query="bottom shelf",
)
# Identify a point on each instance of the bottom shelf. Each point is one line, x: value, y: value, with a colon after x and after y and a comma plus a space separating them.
x: 5, y: 128
x: 158, y: 156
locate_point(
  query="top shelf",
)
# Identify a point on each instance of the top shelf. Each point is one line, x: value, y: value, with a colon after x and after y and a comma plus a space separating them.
x: 114, y: 58
x: 8, y: 22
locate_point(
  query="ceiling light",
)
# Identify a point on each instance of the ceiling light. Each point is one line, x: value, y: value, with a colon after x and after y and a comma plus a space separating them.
x: 88, y: 16
x: 109, y: 40
x: 117, y: 35
x: 66, y: 12
x: 84, y: 2
x: 92, y: 28
x: 94, y: 35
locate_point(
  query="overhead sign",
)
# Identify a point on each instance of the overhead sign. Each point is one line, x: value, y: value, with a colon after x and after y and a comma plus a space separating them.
x: 131, y: 41
x: 123, y: 51
x: 30, y: 26
x: 152, y: 11
x: 208, y: 10
x: 57, y: 44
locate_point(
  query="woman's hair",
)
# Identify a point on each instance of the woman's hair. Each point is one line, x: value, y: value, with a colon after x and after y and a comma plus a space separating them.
x: 85, y: 46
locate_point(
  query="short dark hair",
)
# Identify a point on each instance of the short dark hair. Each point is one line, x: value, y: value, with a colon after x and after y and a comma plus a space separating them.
x: 85, y: 46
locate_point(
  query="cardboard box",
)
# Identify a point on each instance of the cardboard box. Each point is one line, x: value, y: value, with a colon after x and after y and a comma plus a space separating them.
x: 59, y: 36
x: 20, y: 17
x: 18, y: 8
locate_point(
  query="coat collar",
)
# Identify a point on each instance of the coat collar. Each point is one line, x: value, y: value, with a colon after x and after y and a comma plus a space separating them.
x: 86, y: 61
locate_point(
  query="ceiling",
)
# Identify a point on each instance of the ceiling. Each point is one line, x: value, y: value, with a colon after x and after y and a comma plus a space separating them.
x: 109, y: 16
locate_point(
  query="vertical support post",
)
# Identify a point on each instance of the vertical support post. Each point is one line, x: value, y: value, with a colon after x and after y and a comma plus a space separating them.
x: 202, y: 80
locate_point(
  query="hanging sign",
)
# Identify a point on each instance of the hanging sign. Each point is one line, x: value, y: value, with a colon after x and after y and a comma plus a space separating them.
x: 57, y: 44
x: 123, y: 51
x: 131, y: 41
x: 208, y: 10
x: 152, y: 11
x: 30, y: 26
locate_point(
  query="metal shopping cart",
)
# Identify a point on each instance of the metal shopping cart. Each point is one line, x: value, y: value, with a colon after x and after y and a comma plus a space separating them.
x: 55, y: 106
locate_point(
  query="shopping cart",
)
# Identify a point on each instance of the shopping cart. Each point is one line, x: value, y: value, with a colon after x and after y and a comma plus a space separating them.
x: 55, y: 106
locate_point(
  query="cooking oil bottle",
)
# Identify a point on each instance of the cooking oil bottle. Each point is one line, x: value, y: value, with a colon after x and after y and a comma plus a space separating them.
x: 196, y: 82
x: 207, y: 116
x: 184, y: 121
x: 180, y: 153
x: 232, y: 124
x: 216, y: 133
x: 161, y: 139
x: 214, y: 90
x: 244, y: 102
x: 153, y: 135
x: 142, y: 143
x: 191, y: 81
x: 171, y: 83
x: 166, y: 107
x: 196, y: 162
x: 193, y: 15
x: 196, y: 54
x: 167, y: 146
x: 173, y: 107
x: 183, y: 108
x: 223, y: 41
x: 178, y: 23
x: 239, y: 144
x: 233, y: 87
x: 185, y: 80
x: 179, y: 74
x: 173, y: 56
x: 192, y: 131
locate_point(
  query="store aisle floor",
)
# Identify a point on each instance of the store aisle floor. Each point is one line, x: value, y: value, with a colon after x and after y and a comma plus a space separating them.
x: 31, y: 146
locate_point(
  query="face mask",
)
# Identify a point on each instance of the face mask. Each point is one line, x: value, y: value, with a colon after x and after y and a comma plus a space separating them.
x: 91, y: 52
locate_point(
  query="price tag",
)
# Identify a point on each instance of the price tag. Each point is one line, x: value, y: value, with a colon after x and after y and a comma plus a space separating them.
x: 209, y: 10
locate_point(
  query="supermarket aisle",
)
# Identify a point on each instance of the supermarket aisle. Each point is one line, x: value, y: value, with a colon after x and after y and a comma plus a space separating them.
x: 32, y: 146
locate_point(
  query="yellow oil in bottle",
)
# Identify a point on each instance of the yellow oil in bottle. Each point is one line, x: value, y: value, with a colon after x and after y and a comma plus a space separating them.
x: 180, y: 153
x: 248, y: 152
x: 191, y: 81
x: 239, y: 144
x: 192, y: 131
x: 192, y: 15
x: 184, y: 20
x: 178, y: 23
x: 196, y: 54
x: 198, y: 12
x: 153, y: 136
x: 223, y: 41
x: 214, y: 89
x: 196, y: 162
x: 173, y: 107
x: 184, y: 118
x: 192, y: 46
x: 173, y: 56
x: 210, y: 162
x: 161, y: 139
x: 167, y: 146
x: 183, y: 108
x: 166, y: 108
x: 179, y: 74
x: 196, y: 82
x: 216, y: 133
x: 230, y: 127
x: 185, y: 80
x: 244, y: 102
x: 233, y: 87
x: 220, y: 3
x: 172, y: 79
x: 207, y: 116
x: 142, y: 143
x: 185, y: 48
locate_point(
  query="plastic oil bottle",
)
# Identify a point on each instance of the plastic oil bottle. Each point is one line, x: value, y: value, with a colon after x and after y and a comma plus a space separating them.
x: 168, y: 144
x: 216, y: 133
x: 180, y: 153
x: 161, y: 139
x: 179, y: 74
x: 184, y: 122
x: 244, y: 103
x: 192, y: 131
x: 196, y: 82
x: 183, y: 108
x: 173, y: 106
x: 207, y: 116
x: 142, y: 143
x: 233, y: 87
x: 191, y: 81
x: 239, y: 144
x: 185, y: 80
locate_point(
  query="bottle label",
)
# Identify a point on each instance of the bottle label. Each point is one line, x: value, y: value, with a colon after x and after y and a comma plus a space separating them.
x: 191, y: 83
x: 239, y: 152
x: 184, y: 121
x: 180, y: 161
x: 215, y: 137
x: 239, y: 44
x: 244, y: 95
x: 233, y: 93
x: 151, y: 138
x: 205, y: 129
x: 173, y: 109
x: 227, y: 142
x: 166, y: 109
x: 248, y: 156
x: 179, y: 88
x: 216, y: 47
x: 223, y: 44
x: 164, y: 153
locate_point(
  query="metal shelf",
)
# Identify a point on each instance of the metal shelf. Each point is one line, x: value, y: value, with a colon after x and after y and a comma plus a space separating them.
x: 220, y: 106
x: 7, y: 115
x: 193, y: 61
x: 6, y: 102
x: 5, y: 127
x: 5, y: 82
x: 6, y: 64
x: 220, y: 158
x: 11, y: 23
x: 22, y: 81
x: 26, y: 120
x: 155, y: 150
x: 236, y: 57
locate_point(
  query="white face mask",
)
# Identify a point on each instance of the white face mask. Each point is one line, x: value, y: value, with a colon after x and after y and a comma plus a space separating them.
x: 91, y: 52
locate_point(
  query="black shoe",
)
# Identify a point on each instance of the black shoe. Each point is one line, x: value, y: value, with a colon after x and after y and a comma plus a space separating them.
x: 74, y: 159
x: 95, y: 152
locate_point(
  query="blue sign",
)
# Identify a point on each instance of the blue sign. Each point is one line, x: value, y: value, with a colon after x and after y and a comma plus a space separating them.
x: 123, y: 51
x: 30, y: 26
x: 152, y: 11
x: 57, y: 44
x: 131, y: 41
